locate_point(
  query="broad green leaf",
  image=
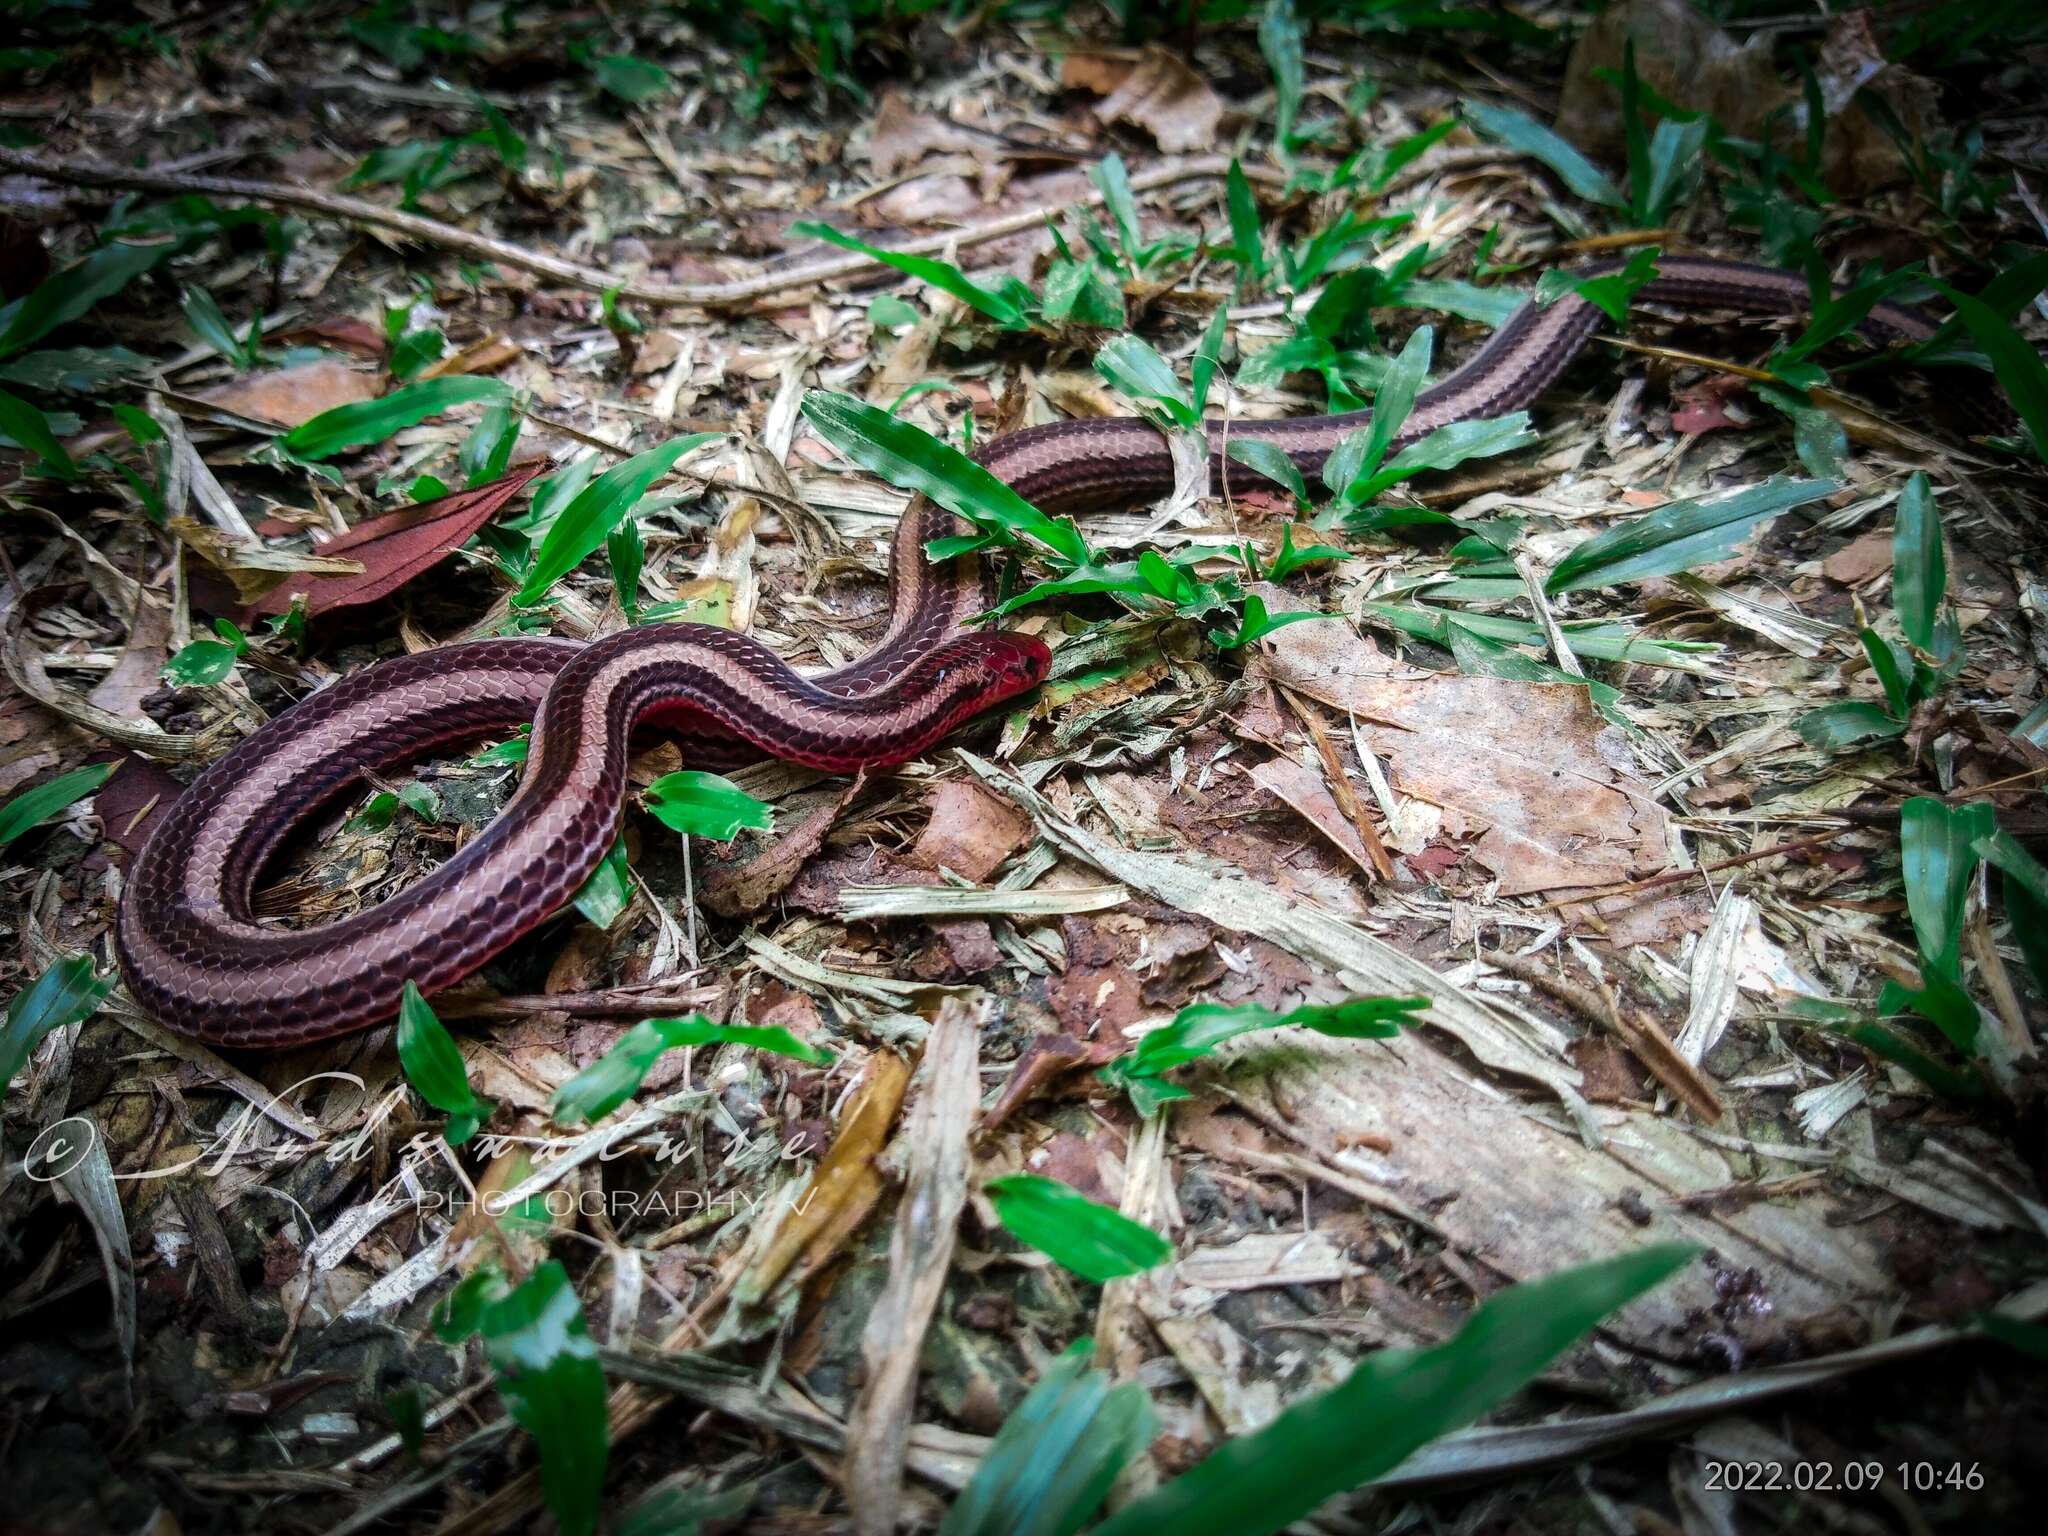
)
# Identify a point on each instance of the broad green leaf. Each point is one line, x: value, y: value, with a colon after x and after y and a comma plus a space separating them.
x: 912, y: 459
x: 1006, y: 306
x: 206, y: 662
x: 631, y: 80
x: 1257, y: 623
x: 1058, y: 1453
x: 1092, y: 1240
x: 1937, y: 855
x: 1390, y: 407
x: 1523, y: 134
x: 1136, y: 370
x: 607, y: 890
x: 1287, y: 559
x: 1280, y: 42
x: 699, y: 804
x: 1198, y: 1029
x: 65, y: 993
x: 1674, y: 167
x: 1248, y: 247
x: 31, y: 429
x: 372, y: 421
x: 1083, y: 293
x: 65, y: 296
x: 1270, y: 460
x: 487, y: 451
x: 2029, y: 917
x: 1449, y: 446
x: 1919, y: 568
x: 616, y: 1076
x: 671, y: 1508
x: 433, y: 1066
x: 1680, y: 535
x: 415, y: 350
x: 1834, y: 726
x: 583, y: 525
x: 627, y: 553
x: 1610, y: 292
x: 33, y: 807
x: 2021, y: 372
x: 77, y: 370
x: 2003, y: 849
x: 1940, y: 1000
x: 1894, y: 669
x: 202, y: 313
x: 890, y: 313
x: 1888, y: 1046
x: 551, y: 1383
x: 1468, y: 301
x: 1114, y: 183
x: 1392, y: 1404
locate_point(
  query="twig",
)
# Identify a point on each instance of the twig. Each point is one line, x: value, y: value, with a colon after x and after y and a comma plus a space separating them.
x: 739, y: 290
x: 1340, y: 785
x: 1648, y: 1043
x: 1679, y: 876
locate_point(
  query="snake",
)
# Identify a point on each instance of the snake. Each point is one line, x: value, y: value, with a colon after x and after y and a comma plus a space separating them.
x: 194, y: 954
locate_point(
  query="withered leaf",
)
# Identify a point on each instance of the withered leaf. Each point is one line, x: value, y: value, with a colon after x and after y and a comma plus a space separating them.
x: 400, y: 545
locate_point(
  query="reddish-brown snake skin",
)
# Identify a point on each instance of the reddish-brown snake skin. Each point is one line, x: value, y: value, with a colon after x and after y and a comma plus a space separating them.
x: 195, y: 957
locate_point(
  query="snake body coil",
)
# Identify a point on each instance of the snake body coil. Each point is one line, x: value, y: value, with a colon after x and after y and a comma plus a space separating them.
x: 194, y: 955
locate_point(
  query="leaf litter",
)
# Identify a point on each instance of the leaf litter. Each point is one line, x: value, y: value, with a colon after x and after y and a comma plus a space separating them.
x: 1551, y: 765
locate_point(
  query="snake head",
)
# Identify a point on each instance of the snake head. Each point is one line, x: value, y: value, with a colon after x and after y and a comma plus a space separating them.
x: 1019, y: 661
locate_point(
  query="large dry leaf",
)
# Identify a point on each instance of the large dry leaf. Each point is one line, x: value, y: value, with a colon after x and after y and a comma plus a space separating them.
x: 900, y: 137
x: 1169, y: 101
x: 1531, y: 767
x: 971, y: 832
x: 289, y: 396
x: 400, y: 545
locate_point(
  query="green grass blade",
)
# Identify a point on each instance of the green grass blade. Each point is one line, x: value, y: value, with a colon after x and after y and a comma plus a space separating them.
x: 587, y: 521
x: 1054, y: 1459
x: 65, y: 993
x: 1680, y: 535
x: 33, y: 807
x: 1523, y: 134
x: 372, y: 421
x: 2021, y: 372
x: 1002, y: 307
x: 1937, y: 857
x: 1094, y: 1241
x: 912, y: 459
x: 1391, y: 1405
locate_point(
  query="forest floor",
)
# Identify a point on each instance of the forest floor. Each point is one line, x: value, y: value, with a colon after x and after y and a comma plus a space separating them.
x: 1679, y: 747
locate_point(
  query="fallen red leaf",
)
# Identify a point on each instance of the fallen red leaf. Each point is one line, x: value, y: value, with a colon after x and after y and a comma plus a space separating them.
x: 400, y: 545
x: 1704, y: 407
x: 343, y: 331
x: 130, y: 802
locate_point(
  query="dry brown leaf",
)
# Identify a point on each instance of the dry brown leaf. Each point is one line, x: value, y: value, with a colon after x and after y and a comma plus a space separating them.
x: 1532, y: 764
x: 730, y: 889
x: 1309, y: 797
x: 970, y: 832
x: 1855, y: 563
x: 292, y: 396
x: 900, y: 137
x: 1169, y: 101
x: 844, y: 1188
x: 400, y: 545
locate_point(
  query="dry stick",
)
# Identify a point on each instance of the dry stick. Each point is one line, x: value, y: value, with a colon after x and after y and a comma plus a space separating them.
x: 1648, y: 1043
x: 1340, y: 785
x: 1678, y: 876
x: 739, y: 290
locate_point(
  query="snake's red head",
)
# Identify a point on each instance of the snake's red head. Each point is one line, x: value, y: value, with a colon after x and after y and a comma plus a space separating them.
x: 1021, y: 661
